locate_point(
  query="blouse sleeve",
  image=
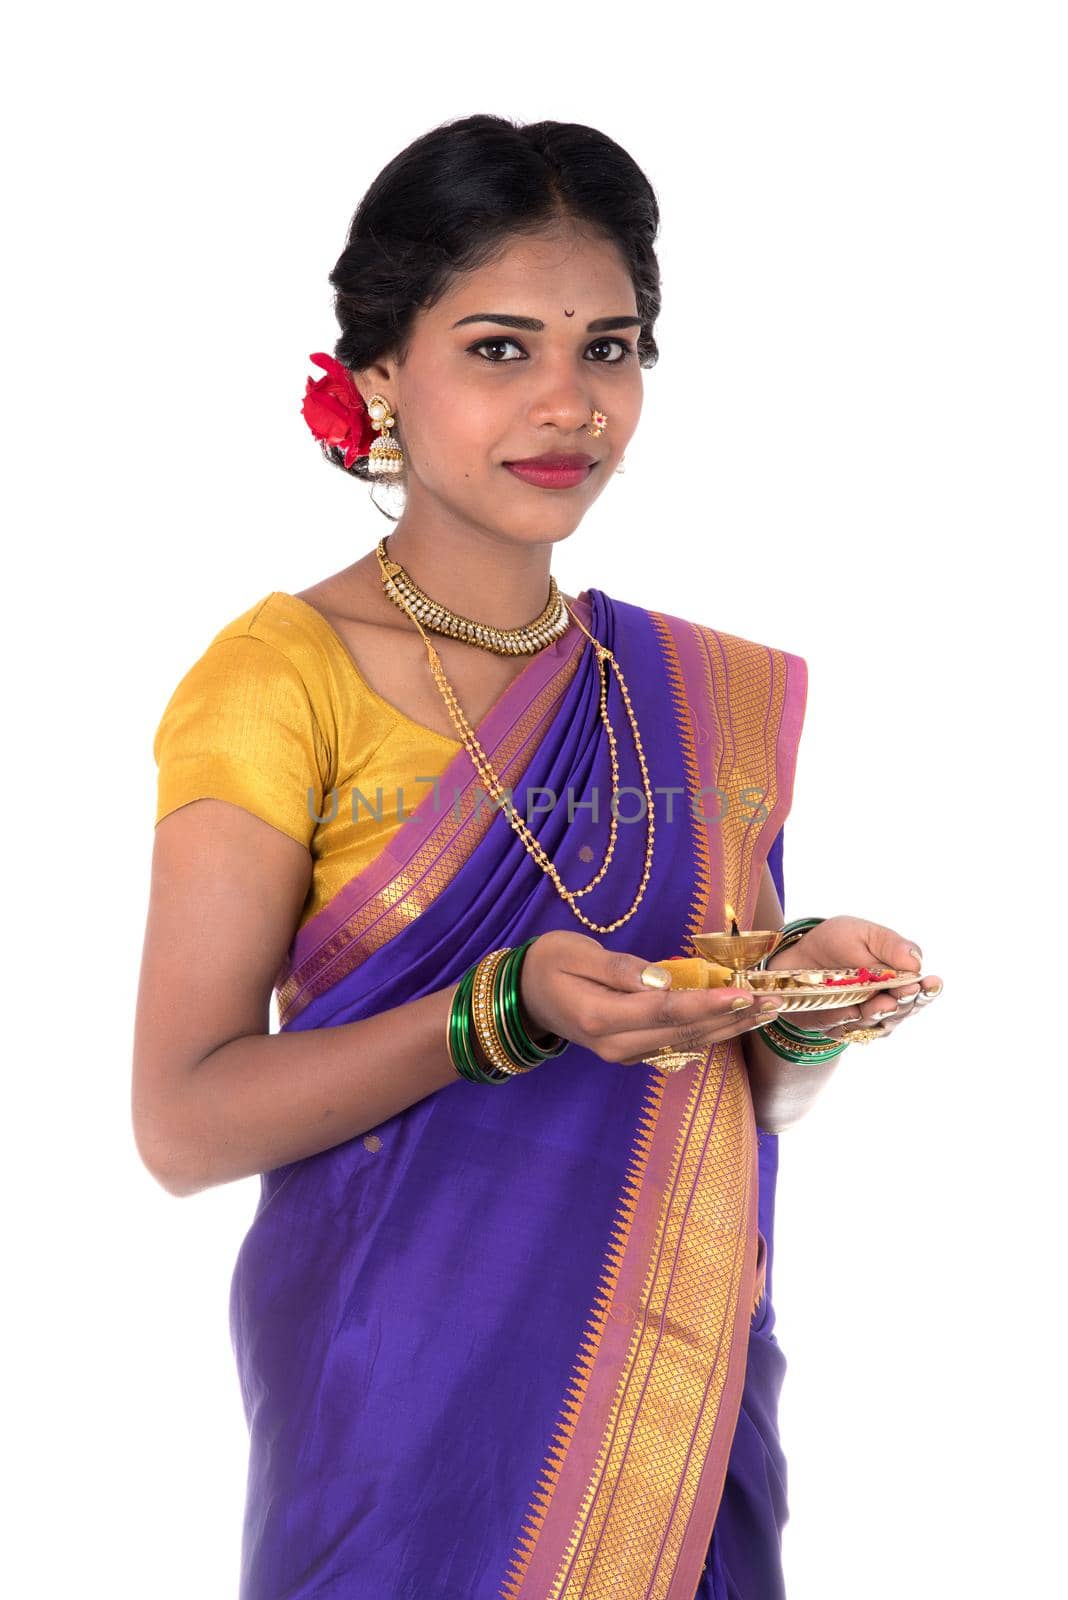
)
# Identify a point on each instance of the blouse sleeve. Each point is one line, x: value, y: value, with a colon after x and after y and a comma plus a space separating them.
x: 241, y: 727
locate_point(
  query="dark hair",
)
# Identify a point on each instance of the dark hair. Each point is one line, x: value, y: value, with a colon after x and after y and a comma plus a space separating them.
x: 449, y: 202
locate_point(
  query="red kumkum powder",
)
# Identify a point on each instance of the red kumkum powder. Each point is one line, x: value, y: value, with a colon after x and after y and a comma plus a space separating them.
x: 863, y: 976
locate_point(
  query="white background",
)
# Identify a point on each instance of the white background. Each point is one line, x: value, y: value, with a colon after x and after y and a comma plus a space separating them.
x: 852, y: 448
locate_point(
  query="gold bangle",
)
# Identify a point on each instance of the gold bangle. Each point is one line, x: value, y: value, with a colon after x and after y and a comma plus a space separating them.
x: 827, y: 1048
x: 482, y: 1013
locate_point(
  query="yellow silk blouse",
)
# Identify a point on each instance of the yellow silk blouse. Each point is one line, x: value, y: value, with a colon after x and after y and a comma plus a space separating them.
x: 273, y: 717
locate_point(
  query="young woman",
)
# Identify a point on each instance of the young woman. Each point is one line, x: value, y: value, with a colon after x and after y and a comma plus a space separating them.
x: 503, y: 1318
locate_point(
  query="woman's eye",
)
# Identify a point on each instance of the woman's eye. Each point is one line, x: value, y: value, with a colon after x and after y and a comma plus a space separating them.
x: 626, y: 350
x: 493, y: 344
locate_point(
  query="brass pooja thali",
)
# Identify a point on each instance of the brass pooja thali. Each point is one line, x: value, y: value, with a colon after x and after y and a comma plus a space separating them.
x: 809, y: 990
x: 731, y: 959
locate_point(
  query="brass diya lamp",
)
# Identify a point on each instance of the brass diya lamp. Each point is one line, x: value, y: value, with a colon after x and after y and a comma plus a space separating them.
x: 737, y: 951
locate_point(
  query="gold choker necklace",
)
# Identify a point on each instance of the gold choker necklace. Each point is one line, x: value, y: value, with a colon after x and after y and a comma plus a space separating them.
x: 492, y: 783
x: 526, y: 641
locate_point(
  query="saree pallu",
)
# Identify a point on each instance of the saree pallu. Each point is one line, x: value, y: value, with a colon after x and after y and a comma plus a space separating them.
x: 515, y: 1342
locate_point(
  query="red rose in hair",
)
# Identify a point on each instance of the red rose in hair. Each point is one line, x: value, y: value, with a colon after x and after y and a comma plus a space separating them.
x: 334, y: 410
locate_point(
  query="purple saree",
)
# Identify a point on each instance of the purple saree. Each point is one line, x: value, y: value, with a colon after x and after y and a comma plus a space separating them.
x: 516, y: 1343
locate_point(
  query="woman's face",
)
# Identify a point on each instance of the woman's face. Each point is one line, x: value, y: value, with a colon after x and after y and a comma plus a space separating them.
x: 474, y: 394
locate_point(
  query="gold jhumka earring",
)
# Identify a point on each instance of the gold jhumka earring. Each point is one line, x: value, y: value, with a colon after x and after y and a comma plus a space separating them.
x: 385, y: 459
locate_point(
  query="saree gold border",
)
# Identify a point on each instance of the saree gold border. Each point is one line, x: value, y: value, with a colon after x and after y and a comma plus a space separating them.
x: 757, y: 679
x: 641, y: 1492
x: 446, y: 849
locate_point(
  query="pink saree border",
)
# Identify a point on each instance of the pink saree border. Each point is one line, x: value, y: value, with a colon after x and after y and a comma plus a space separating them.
x: 544, y: 1565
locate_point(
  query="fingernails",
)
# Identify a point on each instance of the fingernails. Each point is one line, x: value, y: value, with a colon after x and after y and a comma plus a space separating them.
x: 935, y: 989
x: 772, y: 1005
x: 915, y: 954
x: 906, y: 999
x: 878, y: 1016
x: 655, y: 977
x: 742, y: 1003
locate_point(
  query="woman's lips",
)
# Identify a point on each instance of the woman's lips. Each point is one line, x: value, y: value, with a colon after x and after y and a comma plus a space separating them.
x: 550, y: 477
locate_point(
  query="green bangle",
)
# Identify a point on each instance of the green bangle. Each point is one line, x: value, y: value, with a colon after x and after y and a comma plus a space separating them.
x: 521, y: 1059
x: 459, y: 1041
x: 803, y: 1035
x: 791, y: 932
x: 509, y: 1013
x: 461, y: 1034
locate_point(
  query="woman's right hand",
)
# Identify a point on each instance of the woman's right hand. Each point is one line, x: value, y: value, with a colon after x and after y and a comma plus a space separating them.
x: 572, y: 986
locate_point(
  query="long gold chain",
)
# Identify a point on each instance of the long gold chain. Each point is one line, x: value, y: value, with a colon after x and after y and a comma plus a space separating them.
x: 495, y: 788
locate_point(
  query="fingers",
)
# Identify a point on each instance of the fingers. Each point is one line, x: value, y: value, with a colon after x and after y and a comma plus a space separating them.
x: 615, y: 969
x: 696, y: 1033
x: 893, y: 949
x: 930, y: 990
x: 820, y: 1021
x: 625, y: 973
x: 609, y: 1011
x: 877, y: 1009
x: 889, y: 1007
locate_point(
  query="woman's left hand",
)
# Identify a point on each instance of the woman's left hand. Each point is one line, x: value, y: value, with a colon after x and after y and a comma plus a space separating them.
x: 852, y: 942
